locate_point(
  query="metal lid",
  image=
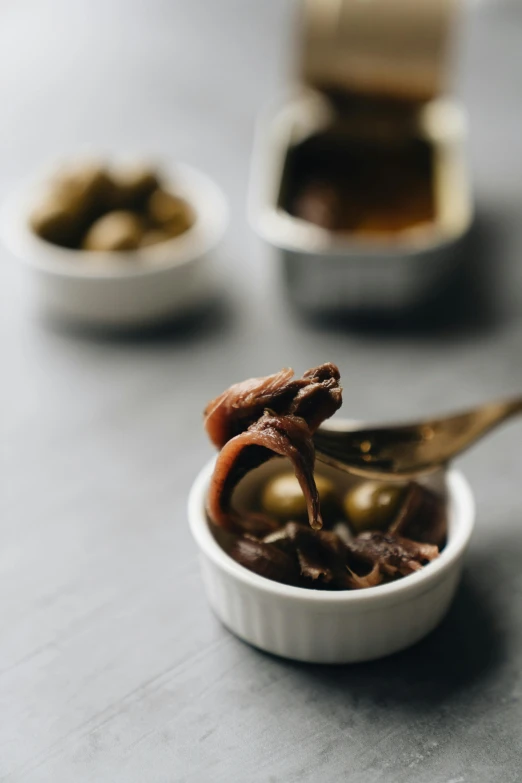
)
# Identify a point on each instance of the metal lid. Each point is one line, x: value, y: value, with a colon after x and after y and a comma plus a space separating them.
x: 382, y: 48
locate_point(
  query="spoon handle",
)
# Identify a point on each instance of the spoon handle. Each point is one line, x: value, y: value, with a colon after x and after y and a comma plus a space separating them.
x: 513, y: 406
x: 494, y: 413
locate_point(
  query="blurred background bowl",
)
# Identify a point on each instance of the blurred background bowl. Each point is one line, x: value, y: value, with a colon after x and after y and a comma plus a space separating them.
x: 122, y: 288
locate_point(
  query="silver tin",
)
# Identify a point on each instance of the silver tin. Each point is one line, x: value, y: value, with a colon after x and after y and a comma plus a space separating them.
x: 326, y: 271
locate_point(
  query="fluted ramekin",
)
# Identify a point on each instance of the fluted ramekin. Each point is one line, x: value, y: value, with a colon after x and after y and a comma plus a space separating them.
x: 340, y: 626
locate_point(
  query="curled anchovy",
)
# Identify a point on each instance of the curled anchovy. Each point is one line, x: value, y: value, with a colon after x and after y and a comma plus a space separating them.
x: 262, y: 417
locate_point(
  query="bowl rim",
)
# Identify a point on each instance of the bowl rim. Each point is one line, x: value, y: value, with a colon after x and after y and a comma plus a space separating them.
x: 460, y: 498
x: 204, y: 195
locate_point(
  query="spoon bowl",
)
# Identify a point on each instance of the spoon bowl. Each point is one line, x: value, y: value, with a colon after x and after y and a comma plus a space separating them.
x: 408, y: 450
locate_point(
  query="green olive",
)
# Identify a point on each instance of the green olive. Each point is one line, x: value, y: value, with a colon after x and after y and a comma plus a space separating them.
x: 172, y: 213
x: 117, y: 230
x: 133, y: 186
x: 372, y: 505
x: 283, y: 498
x: 54, y: 221
x: 73, y: 197
x: 86, y: 187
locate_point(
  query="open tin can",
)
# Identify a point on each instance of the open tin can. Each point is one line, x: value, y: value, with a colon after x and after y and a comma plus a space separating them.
x: 360, y: 180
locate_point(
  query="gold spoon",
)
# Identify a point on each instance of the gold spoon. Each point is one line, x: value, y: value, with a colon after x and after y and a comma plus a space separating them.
x: 407, y: 450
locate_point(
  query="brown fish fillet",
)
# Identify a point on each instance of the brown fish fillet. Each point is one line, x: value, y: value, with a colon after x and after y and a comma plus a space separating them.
x: 323, y: 557
x: 393, y: 554
x: 263, y: 417
x: 286, y: 436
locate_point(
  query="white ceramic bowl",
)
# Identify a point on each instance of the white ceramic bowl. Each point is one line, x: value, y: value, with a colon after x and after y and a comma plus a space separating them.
x: 122, y: 289
x: 330, y: 627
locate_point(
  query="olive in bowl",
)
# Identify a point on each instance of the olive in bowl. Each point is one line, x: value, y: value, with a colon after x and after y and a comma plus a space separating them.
x: 283, y: 498
x: 105, y: 209
x: 371, y: 505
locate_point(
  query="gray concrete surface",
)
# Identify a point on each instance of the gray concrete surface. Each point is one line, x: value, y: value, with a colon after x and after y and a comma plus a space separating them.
x: 112, y: 667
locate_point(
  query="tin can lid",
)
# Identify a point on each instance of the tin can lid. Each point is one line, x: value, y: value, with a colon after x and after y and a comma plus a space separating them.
x: 382, y: 48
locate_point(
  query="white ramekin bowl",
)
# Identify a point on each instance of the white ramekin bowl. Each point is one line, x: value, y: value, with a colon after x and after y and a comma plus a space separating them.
x: 122, y: 289
x: 330, y: 627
